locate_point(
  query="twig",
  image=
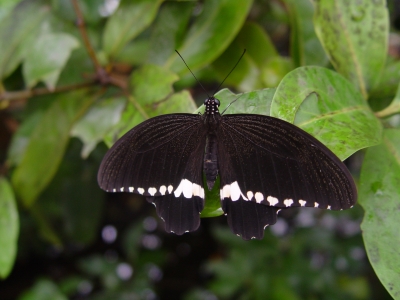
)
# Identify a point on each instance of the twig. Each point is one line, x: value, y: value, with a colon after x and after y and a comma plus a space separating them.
x: 43, y: 91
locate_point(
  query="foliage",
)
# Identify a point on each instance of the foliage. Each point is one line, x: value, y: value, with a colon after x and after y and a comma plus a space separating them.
x: 76, y: 75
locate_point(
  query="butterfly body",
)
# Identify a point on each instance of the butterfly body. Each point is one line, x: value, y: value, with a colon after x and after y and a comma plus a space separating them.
x: 265, y: 164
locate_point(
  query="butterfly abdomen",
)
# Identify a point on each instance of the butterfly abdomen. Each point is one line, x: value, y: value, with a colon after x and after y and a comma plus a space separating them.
x: 210, y: 166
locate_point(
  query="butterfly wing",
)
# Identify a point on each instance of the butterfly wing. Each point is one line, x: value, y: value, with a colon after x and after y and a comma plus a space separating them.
x: 267, y: 164
x: 161, y: 158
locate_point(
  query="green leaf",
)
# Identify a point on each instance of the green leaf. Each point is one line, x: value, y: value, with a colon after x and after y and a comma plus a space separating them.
x: 327, y: 106
x: 382, y: 94
x: 355, y: 37
x: 130, y: 19
x: 181, y: 102
x: 211, y: 34
x: 9, y: 228
x: 47, y: 145
x: 43, y: 289
x: 46, y: 59
x: 379, y: 196
x: 90, y: 130
x: 152, y: 83
x: 15, y: 29
x: 212, y: 205
x: 306, y: 49
x: 255, y: 102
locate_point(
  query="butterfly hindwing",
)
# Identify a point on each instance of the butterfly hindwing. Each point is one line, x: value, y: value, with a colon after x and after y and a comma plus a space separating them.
x: 272, y: 163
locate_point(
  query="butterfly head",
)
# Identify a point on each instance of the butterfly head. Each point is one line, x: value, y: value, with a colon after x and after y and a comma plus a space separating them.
x: 212, y: 105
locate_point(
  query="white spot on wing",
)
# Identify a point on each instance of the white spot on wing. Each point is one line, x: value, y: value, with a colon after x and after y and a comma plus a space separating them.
x: 288, y: 202
x: 121, y: 189
x: 198, y: 190
x: 188, y: 189
x: 250, y: 195
x: 114, y: 190
x: 272, y: 200
x: 236, y: 192
x: 302, y: 202
x: 329, y: 207
x: 163, y: 189
x: 170, y: 189
x: 152, y: 191
x: 316, y: 204
x: 232, y: 191
x: 131, y: 189
x: 259, y: 197
x: 225, y: 192
x: 140, y: 190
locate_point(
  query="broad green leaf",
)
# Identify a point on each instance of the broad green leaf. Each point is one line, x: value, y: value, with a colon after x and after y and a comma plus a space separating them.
x: 43, y: 289
x: 255, y: 102
x: 130, y: 19
x: 9, y: 228
x: 181, y: 102
x: 93, y: 11
x: 47, y: 145
x: 7, y: 7
x: 46, y: 59
x: 305, y: 48
x: 15, y: 28
x: 327, y: 106
x: 168, y: 29
x: 152, y: 83
x: 90, y: 130
x: 355, y: 37
x: 379, y: 196
x: 211, y: 34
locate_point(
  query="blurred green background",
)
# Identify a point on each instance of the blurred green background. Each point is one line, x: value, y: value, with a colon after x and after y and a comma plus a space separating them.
x: 76, y: 75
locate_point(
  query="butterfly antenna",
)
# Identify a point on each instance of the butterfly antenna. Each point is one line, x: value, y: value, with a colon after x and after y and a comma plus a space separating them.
x: 231, y: 103
x: 192, y: 73
x: 244, y: 51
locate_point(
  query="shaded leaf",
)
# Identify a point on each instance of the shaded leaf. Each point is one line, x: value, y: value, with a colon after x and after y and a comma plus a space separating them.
x: 168, y: 30
x: 130, y: 19
x: 46, y: 59
x: 327, y: 106
x: 255, y: 69
x: 355, y: 37
x: 47, y: 145
x: 305, y: 48
x: 379, y: 196
x: 211, y: 33
x: 9, y: 228
x: 90, y: 130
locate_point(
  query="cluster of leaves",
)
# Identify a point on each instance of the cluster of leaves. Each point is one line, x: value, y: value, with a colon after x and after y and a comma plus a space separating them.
x: 95, y: 81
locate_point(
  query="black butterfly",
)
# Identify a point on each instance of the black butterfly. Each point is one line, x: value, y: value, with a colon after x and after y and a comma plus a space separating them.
x: 264, y: 164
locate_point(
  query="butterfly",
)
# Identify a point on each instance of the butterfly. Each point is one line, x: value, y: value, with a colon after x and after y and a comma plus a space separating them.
x: 264, y: 164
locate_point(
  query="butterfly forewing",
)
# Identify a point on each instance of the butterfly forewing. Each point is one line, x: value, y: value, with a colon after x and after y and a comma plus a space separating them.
x: 275, y: 163
x: 152, y: 158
